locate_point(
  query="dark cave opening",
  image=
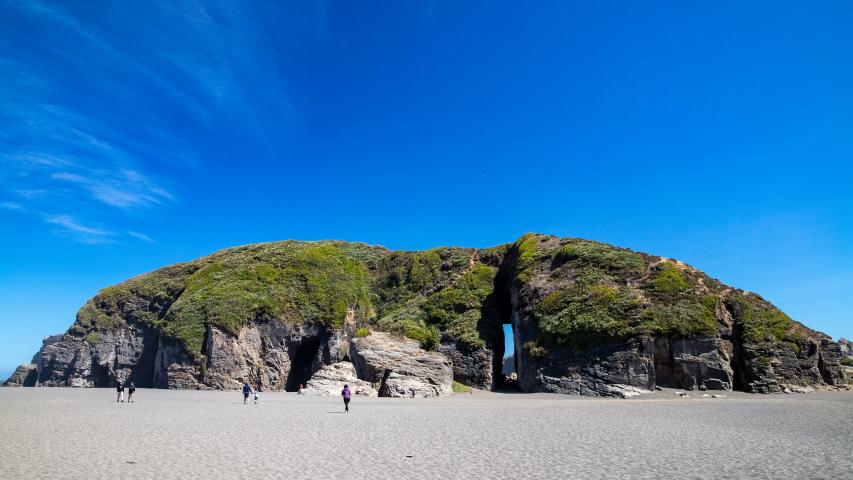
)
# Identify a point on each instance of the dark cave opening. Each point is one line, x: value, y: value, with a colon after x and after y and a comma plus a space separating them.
x: 737, y: 364
x: 101, y: 376
x: 142, y: 374
x: 664, y: 364
x: 302, y: 361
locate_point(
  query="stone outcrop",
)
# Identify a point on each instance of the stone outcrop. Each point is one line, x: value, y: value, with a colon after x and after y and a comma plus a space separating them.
x: 101, y: 359
x: 330, y: 380
x: 702, y: 363
x: 271, y: 355
x: 588, y: 319
x: 472, y: 366
x: 846, y: 347
x: 263, y: 354
x: 24, y: 376
x: 398, y: 367
x: 589, y: 316
x: 590, y: 373
x: 808, y: 362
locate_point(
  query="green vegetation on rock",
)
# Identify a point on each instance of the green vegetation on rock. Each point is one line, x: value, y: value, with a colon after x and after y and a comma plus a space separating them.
x: 606, y: 296
x: 460, y: 388
x: 586, y: 315
x: 534, y: 349
x: 429, y: 337
x: 362, y: 332
x: 93, y: 338
x: 316, y: 282
x: 670, y: 280
x: 427, y: 294
x: 527, y: 247
x: 684, y: 318
x: 425, y: 267
x: 847, y: 361
x: 602, y: 256
x: 759, y: 320
x: 457, y: 309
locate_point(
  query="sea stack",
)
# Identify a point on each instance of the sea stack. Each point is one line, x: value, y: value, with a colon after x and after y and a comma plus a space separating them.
x: 588, y: 319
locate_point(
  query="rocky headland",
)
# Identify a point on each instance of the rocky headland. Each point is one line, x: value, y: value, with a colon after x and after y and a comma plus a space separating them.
x: 588, y: 319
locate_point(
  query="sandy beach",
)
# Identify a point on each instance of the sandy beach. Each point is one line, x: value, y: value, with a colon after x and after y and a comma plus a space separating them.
x: 83, y: 433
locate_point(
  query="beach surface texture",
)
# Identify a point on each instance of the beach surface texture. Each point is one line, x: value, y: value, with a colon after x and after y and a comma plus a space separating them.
x: 84, y: 433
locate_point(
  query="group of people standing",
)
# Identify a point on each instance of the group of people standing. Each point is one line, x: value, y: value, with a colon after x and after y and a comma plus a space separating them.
x: 131, y: 389
x: 247, y: 390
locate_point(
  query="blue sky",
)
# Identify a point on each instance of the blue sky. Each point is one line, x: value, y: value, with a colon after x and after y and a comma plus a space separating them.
x: 136, y: 135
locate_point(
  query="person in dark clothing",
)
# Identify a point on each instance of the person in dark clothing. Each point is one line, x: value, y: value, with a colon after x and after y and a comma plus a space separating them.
x: 119, y: 392
x: 131, y: 389
x: 346, y: 394
x: 246, y: 391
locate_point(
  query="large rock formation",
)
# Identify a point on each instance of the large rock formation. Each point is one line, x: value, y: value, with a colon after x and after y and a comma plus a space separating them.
x: 471, y: 366
x: 331, y: 379
x: 589, y: 315
x: 24, y: 376
x: 398, y: 367
x: 588, y: 318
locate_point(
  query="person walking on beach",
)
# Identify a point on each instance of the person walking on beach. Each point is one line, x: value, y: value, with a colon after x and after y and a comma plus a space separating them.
x: 131, y: 389
x: 246, y: 391
x: 346, y: 394
x: 258, y: 394
x: 119, y: 392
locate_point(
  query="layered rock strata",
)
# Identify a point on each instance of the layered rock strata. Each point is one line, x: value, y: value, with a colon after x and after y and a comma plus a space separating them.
x: 398, y: 367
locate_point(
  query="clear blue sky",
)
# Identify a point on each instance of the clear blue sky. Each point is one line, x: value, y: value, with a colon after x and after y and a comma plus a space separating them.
x: 137, y: 134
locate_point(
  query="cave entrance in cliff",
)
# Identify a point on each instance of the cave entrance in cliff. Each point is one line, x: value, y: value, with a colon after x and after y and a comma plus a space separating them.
x: 101, y: 376
x: 302, y: 364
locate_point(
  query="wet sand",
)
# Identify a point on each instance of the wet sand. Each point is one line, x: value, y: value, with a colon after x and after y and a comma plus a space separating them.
x: 83, y: 433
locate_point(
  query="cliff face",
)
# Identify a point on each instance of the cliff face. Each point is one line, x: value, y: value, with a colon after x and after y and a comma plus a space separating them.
x: 589, y: 319
x: 589, y: 316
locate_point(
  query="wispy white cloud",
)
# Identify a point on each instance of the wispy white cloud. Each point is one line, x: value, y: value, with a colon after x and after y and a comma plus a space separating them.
x: 141, y: 236
x: 12, y: 206
x: 123, y: 189
x: 102, y: 112
x: 81, y: 233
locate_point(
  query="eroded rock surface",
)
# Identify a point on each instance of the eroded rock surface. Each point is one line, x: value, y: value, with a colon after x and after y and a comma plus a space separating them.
x: 591, y: 373
x: 472, y: 366
x: 398, y: 367
x: 845, y: 347
x: 702, y: 363
x: 24, y: 376
x: 330, y: 380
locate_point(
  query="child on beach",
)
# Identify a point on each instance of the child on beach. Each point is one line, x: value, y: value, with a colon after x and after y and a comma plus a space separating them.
x: 346, y: 394
x: 257, y: 394
x: 246, y: 391
x: 119, y: 392
x: 130, y: 391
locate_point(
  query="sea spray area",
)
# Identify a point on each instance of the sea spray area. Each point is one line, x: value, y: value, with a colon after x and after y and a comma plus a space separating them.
x: 83, y: 433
